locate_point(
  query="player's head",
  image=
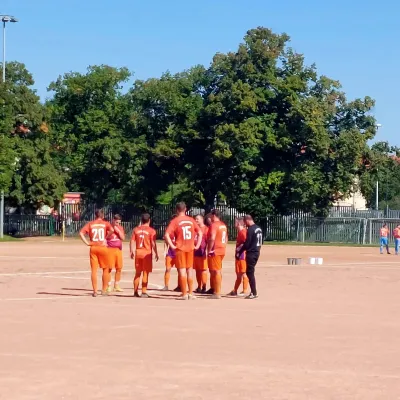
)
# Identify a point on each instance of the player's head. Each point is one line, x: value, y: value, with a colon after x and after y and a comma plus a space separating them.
x: 384, y: 225
x: 207, y: 220
x: 248, y: 220
x: 239, y: 223
x: 117, y: 219
x: 99, y: 213
x: 199, y: 219
x: 215, y: 215
x: 181, y: 207
x: 145, y: 219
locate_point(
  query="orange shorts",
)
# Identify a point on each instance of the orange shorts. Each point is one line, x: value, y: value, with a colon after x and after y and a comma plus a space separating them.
x: 215, y: 263
x: 115, y: 258
x: 99, y: 257
x: 144, y: 263
x: 240, y: 266
x: 169, y: 262
x: 200, y: 263
x: 184, y: 259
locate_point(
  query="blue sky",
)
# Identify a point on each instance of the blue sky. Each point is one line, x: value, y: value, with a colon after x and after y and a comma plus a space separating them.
x: 354, y: 41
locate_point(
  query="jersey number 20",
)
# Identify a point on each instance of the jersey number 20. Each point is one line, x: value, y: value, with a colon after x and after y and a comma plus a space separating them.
x: 98, y: 235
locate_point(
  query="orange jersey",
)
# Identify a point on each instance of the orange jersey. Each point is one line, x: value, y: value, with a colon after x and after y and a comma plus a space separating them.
x: 98, y: 231
x: 202, y: 250
x: 220, y: 231
x: 144, y: 236
x: 183, y: 229
x: 241, y: 238
x: 384, y: 232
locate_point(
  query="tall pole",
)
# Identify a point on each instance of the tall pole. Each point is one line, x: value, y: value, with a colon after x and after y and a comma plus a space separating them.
x: 4, y: 79
x: 377, y: 195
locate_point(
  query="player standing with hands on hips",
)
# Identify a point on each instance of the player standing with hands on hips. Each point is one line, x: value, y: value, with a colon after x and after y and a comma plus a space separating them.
x: 252, y: 247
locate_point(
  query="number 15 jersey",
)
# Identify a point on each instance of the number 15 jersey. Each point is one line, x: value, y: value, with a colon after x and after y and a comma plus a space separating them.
x: 183, y: 229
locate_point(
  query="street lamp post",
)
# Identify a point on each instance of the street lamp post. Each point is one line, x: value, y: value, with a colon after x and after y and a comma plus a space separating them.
x: 4, y: 19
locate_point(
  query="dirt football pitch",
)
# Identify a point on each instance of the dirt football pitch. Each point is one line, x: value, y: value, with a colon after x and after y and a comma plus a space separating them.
x: 316, y: 332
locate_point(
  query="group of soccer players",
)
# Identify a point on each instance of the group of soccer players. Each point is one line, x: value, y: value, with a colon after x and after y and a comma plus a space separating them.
x: 384, y: 239
x: 191, y: 245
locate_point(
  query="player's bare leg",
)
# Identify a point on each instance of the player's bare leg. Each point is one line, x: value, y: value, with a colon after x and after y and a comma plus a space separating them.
x: 136, y: 281
x: 199, y: 279
x: 167, y: 276
x: 117, y: 280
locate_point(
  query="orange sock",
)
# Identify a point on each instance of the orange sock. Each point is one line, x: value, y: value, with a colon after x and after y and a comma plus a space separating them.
x: 94, y: 279
x: 203, y: 279
x: 183, y: 284
x: 118, y: 273
x: 245, y: 283
x: 145, y: 280
x: 211, y: 280
x: 199, y: 278
x: 217, y: 283
x: 136, y: 282
x: 106, y: 278
x: 167, y: 275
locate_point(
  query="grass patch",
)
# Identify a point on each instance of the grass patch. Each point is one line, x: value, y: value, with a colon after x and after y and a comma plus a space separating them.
x: 320, y: 244
x: 7, y: 238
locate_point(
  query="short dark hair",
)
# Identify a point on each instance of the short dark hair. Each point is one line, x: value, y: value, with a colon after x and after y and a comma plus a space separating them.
x: 207, y: 219
x: 99, y: 213
x: 145, y: 218
x: 181, y: 207
x: 248, y: 217
x: 216, y: 212
x: 117, y: 217
x: 199, y: 215
x: 240, y: 220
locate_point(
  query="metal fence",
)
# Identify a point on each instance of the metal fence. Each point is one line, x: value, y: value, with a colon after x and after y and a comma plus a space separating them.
x: 363, y: 231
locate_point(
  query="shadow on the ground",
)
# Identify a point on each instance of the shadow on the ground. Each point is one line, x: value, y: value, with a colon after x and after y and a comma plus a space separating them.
x: 63, y: 294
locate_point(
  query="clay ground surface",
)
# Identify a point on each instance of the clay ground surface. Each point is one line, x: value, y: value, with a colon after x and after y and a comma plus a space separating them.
x: 316, y: 332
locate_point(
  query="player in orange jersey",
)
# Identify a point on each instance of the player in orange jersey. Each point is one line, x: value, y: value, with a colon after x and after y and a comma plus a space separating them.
x: 217, y: 241
x: 145, y: 238
x: 384, y: 239
x: 114, y: 244
x: 200, y: 257
x: 99, y: 231
x: 240, y: 261
x: 184, y: 228
x: 169, y: 255
x: 396, y: 236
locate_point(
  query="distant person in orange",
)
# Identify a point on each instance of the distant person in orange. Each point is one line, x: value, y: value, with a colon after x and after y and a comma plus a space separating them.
x: 184, y: 228
x: 99, y: 231
x: 396, y: 235
x: 217, y: 241
x: 240, y: 260
x: 200, y: 257
x: 145, y: 239
x: 114, y: 244
x: 169, y: 264
x: 384, y: 233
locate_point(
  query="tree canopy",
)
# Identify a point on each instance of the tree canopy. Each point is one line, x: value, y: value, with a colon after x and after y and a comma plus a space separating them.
x: 257, y: 127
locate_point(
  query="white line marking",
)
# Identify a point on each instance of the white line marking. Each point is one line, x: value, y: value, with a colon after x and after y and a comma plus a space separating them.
x: 43, y: 273
x: 42, y: 298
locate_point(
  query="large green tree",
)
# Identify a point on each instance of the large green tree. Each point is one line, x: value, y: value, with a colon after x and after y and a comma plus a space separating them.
x: 28, y: 172
x: 273, y: 135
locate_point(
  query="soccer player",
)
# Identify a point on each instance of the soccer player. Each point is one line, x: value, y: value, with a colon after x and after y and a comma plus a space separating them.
x: 169, y: 255
x: 252, y: 247
x: 184, y: 228
x: 99, y: 231
x: 145, y: 239
x: 240, y: 262
x: 114, y: 244
x: 200, y: 257
x: 217, y: 240
x: 207, y: 223
x: 396, y: 235
x: 384, y: 233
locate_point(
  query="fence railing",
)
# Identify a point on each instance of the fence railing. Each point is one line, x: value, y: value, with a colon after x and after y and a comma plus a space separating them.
x: 362, y: 231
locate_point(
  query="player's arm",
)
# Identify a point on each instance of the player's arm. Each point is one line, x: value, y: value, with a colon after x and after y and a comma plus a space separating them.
x: 199, y: 237
x: 246, y: 244
x: 211, y: 240
x: 84, y: 231
x: 154, y: 245
x: 132, y: 245
x: 165, y: 249
x: 120, y: 232
x: 168, y: 240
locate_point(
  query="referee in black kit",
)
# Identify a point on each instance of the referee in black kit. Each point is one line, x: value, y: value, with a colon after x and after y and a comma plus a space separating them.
x: 252, y: 247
